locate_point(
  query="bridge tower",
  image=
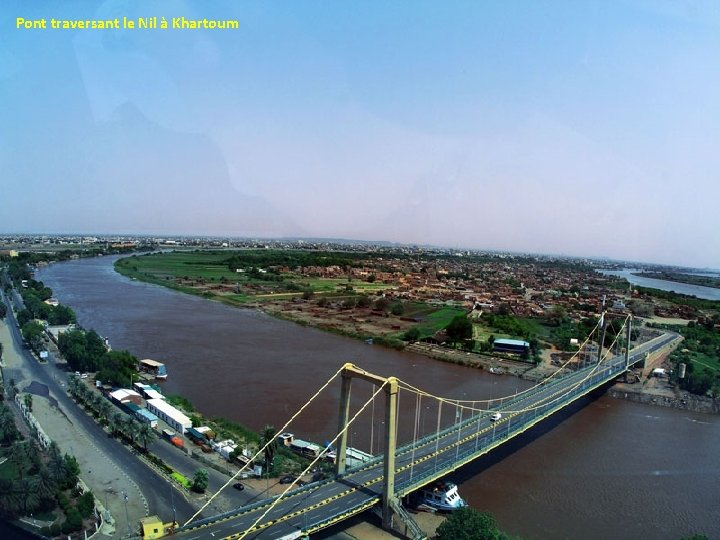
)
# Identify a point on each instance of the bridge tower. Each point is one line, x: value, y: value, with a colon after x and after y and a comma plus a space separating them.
x: 390, y: 385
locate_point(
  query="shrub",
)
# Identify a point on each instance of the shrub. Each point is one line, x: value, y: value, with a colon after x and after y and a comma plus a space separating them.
x: 86, y: 504
x: 73, y: 521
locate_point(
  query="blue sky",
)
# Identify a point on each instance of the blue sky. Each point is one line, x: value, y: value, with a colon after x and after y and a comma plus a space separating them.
x: 581, y: 128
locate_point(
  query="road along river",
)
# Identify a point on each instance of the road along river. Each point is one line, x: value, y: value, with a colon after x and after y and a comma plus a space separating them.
x: 605, y: 469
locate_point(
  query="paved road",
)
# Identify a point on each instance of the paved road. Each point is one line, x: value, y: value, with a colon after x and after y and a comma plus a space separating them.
x: 315, y: 505
x: 107, y: 467
x: 100, y: 456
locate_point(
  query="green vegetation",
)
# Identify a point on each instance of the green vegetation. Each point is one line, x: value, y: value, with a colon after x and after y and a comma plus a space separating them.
x: 180, y: 402
x: 470, y: 524
x: 37, y: 482
x: 86, y: 351
x: 678, y: 277
x: 511, y: 325
x: 700, y: 351
x: 680, y: 299
x: 34, y: 297
x: 180, y: 479
x: 32, y: 333
x: 459, y: 329
x: 432, y: 319
x: 200, y: 482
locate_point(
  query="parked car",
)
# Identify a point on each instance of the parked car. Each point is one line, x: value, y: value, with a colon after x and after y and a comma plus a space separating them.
x: 239, y: 486
x: 287, y: 479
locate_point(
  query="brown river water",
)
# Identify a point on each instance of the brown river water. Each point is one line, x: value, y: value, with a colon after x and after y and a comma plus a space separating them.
x: 604, y: 469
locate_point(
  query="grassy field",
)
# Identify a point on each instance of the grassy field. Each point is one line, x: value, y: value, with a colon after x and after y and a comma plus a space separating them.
x: 190, y: 270
x: 432, y: 318
x: 184, y: 265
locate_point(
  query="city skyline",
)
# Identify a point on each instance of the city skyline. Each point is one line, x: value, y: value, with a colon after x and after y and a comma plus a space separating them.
x: 587, y: 130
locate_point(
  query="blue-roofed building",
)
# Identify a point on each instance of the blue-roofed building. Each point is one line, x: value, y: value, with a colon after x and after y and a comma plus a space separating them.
x: 515, y: 346
x: 147, y: 417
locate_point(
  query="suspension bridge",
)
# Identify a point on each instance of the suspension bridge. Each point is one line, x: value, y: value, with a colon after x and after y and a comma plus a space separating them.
x: 463, y: 431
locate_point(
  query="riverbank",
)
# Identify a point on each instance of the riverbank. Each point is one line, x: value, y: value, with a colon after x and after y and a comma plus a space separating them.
x: 382, y: 328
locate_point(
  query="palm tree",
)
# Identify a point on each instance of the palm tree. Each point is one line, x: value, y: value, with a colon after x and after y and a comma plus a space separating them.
x: 146, y: 435
x: 46, y: 484
x: 94, y: 401
x: 8, y: 429
x: 32, y: 450
x: 83, y: 393
x: 56, y: 463
x: 10, y: 499
x: 267, y: 436
x: 28, y: 491
x: 74, y: 385
x: 19, y: 456
x: 130, y: 428
x: 115, y: 422
x: 104, y: 409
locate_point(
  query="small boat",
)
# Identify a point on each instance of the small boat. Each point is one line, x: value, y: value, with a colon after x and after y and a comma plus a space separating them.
x: 442, y: 496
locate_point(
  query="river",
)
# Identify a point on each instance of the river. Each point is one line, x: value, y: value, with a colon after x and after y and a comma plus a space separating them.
x: 605, y: 469
x: 708, y: 293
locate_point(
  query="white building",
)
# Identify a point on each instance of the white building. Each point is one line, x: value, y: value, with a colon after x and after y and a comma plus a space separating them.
x: 169, y: 414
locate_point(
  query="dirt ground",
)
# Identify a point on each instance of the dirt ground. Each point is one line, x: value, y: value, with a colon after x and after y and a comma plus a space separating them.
x: 361, y: 321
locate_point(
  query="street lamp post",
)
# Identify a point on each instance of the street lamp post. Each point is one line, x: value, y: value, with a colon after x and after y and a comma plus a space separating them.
x: 127, y: 517
x: 172, y: 503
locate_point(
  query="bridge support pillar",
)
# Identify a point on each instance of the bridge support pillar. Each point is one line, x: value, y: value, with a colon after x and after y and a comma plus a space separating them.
x: 341, y: 457
x: 628, y: 335
x: 601, y: 340
x: 390, y: 386
x: 391, y: 391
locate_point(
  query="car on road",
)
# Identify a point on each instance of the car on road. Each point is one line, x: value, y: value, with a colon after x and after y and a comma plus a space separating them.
x: 495, y: 416
x: 239, y: 486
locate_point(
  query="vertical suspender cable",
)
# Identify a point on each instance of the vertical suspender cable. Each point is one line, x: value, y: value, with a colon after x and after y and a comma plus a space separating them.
x: 372, y: 421
x: 418, y: 403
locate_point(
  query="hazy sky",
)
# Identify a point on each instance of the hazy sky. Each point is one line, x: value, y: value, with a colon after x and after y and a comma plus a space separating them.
x: 582, y: 128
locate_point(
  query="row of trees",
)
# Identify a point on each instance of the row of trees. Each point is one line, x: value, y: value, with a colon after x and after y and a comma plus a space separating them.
x: 135, y: 432
x: 34, y: 297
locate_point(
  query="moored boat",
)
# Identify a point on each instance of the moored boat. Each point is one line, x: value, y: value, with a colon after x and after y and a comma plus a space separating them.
x: 442, y: 496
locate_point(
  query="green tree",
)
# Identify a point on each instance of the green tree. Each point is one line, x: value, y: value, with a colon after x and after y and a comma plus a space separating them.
x: 32, y: 332
x: 412, y: 334
x: 267, y: 437
x: 397, y: 308
x: 8, y: 429
x: 24, y: 316
x: 115, y: 422
x: 382, y: 303
x: 145, y: 435
x: 200, y: 482
x: 459, y: 329
x: 469, y: 524
x: 61, y: 315
x: 71, y: 470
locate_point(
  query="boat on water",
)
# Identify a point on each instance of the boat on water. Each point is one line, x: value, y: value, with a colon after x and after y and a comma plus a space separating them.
x: 153, y: 368
x: 442, y: 496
